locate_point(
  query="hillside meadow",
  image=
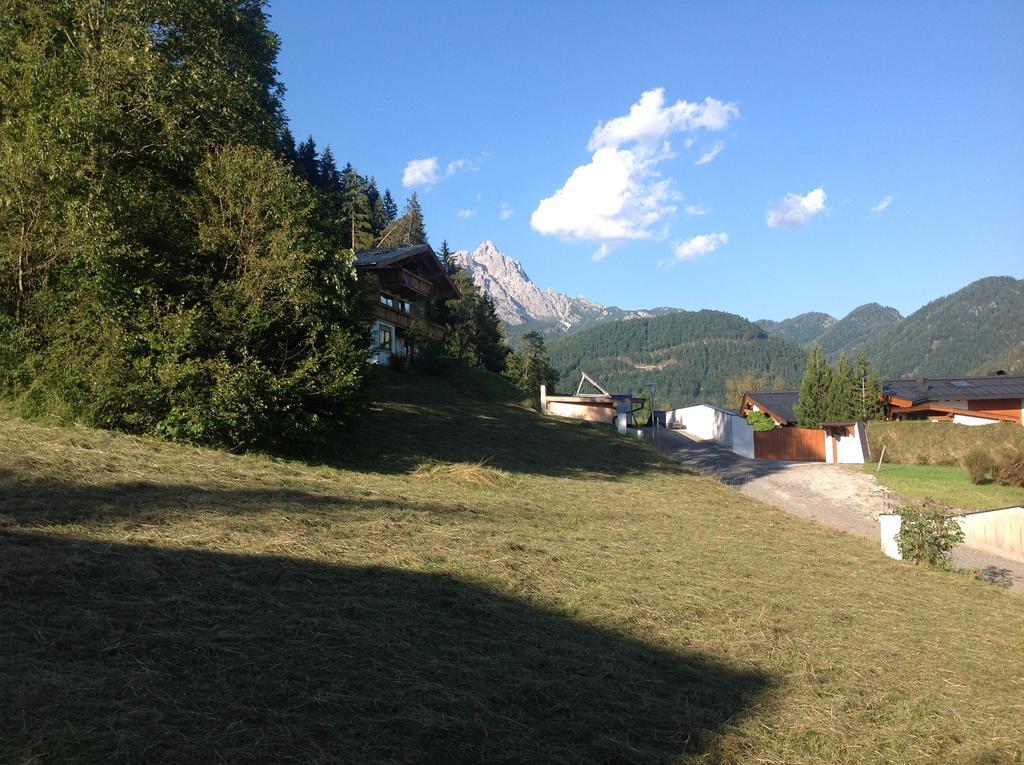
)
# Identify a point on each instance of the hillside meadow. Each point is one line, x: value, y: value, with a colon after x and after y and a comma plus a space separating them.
x: 468, y: 582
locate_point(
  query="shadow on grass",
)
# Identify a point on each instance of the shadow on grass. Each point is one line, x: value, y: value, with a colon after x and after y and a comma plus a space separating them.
x: 133, y: 653
x: 44, y: 501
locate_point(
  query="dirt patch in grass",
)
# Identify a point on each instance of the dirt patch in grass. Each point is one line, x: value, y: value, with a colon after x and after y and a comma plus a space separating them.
x: 447, y: 598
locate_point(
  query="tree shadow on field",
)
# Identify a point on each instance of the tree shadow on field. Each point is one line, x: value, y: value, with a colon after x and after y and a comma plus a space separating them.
x: 116, y: 652
x: 44, y: 501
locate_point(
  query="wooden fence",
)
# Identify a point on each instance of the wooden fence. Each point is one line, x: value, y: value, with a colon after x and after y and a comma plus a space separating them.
x: 803, y: 444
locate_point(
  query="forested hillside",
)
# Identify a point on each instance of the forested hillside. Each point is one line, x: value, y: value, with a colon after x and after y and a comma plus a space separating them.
x: 689, y: 355
x: 803, y: 329
x: 973, y: 331
x: 856, y: 328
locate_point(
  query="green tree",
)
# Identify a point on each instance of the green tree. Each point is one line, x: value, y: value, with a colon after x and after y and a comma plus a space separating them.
x: 354, y: 209
x: 411, y: 229
x: 473, y: 331
x: 868, y: 400
x: 530, y: 367
x: 390, y: 207
x: 841, y: 403
x: 812, y: 408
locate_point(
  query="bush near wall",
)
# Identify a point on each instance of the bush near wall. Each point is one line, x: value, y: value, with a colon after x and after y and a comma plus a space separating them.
x: 940, y: 443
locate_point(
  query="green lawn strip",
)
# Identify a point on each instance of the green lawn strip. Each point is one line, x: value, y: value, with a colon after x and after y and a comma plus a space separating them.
x: 486, y: 585
x: 947, y: 484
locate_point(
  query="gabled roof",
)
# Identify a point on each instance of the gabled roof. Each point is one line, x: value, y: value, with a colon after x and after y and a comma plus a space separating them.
x: 966, y: 388
x: 417, y: 257
x: 778, y: 403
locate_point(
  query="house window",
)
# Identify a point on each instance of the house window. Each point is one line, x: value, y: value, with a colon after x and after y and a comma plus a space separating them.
x: 387, y: 300
x: 405, y: 305
x: 385, y: 340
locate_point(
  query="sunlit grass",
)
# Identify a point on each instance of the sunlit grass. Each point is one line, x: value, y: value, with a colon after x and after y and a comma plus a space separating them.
x: 472, y: 583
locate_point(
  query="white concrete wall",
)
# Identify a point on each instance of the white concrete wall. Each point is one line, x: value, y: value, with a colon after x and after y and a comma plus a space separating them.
x: 850, y: 450
x: 1000, y: 532
x: 964, y: 419
x: 713, y: 424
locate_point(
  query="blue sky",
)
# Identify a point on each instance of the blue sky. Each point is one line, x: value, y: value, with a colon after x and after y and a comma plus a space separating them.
x: 818, y: 114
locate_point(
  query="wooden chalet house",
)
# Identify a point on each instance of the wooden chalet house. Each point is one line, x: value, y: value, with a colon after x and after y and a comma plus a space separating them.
x: 398, y: 282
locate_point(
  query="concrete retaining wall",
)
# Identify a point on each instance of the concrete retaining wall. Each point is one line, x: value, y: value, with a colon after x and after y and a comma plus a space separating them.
x: 998, y: 532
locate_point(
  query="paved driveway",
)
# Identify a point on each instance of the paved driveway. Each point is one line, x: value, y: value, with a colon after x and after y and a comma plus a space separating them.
x: 844, y: 497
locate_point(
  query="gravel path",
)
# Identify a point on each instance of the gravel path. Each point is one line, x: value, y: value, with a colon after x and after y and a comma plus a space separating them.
x: 841, y: 496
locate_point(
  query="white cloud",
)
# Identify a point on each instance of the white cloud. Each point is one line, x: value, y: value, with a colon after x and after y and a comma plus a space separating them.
x: 700, y: 245
x: 794, y: 211
x: 421, y: 172
x: 619, y: 195
x: 506, y: 211
x: 695, y: 211
x: 458, y: 165
x: 882, y: 205
x: 710, y: 154
x: 649, y: 121
x: 466, y: 213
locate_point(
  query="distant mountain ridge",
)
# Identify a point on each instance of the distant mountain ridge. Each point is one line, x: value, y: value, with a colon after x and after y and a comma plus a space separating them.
x: 523, y: 306
x: 835, y: 336
x: 975, y: 330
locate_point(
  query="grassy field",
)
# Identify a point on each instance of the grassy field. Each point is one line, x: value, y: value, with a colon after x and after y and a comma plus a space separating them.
x: 939, y: 443
x: 476, y: 583
x: 947, y: 484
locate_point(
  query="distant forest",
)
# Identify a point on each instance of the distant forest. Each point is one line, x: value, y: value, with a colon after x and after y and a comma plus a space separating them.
x: 690, y: 355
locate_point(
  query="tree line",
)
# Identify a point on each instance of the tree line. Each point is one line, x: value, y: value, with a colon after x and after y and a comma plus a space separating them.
x: 844, y: 393
x: 171, y: 262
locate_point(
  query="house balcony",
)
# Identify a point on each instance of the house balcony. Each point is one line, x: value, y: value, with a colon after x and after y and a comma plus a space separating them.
x: 404, y: 282
x: 402, y: 320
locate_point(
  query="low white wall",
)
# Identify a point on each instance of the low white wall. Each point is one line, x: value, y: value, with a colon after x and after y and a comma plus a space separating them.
x: 999, y: 532
x: 964, y: 419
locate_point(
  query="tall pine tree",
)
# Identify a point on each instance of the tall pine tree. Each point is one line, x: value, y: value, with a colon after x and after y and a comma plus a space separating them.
x: 355, y: 210
x: 869, y: 404
x: 390, y: 208
x: 841, y: 405
x: 412, y: 228
x: 812, y: 407
x: 307, y: 165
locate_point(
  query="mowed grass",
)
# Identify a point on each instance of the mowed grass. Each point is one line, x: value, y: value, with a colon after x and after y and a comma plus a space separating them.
x: 479, y: 584
x: 947, y: 484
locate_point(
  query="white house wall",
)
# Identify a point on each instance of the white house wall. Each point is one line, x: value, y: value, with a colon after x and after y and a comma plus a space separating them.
x: 713, y: 424
x: 850, y: 450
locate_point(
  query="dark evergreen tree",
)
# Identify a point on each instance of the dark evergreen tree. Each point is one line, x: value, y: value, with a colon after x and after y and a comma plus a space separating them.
x: 307, y: 164
x: 390, y: 207
x: 286, y: 147
x: 473, y: 331
x: 411, y: 229
x: 869, y: 404
x: 354, y: 210
x: 445, y: 256
x: 375, y: 205
x: 812, y: 407
x: 329, y: 179
x: 840, y: 404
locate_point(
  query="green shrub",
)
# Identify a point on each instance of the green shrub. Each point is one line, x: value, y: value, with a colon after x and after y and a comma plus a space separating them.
x: 760, y: 421
x: 1008, y: 469
x: 978, y: 463
x: 928, y: 534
